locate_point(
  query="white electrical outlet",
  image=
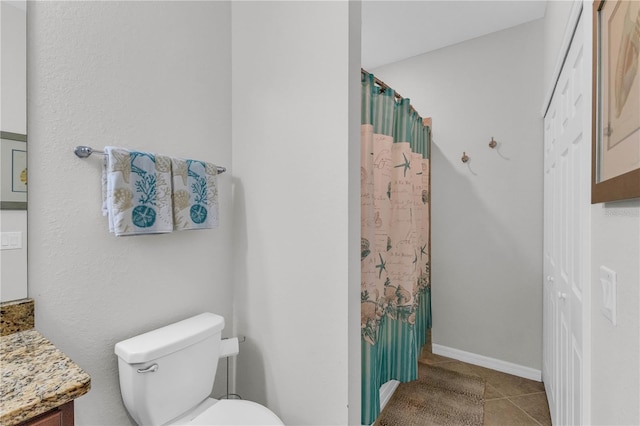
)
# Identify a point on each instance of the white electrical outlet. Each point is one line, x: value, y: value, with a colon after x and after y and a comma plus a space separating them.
x: 608, y: 281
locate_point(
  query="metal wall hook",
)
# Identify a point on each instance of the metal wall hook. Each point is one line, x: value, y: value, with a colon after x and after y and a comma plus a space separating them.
x: 465, y: 157
x: 493, y: 143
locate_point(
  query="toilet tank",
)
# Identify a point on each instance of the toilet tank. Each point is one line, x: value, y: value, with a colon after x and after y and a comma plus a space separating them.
x: 186, y: 356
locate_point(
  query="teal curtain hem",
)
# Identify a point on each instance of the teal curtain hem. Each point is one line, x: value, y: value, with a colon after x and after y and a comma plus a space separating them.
x: 394, y: 356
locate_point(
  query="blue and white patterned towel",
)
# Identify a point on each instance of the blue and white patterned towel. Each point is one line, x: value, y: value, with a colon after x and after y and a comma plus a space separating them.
x: 137, y: 199
x: 195, y: 194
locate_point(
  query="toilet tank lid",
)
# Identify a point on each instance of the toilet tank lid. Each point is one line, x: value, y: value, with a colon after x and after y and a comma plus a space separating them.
x: 171, y: 338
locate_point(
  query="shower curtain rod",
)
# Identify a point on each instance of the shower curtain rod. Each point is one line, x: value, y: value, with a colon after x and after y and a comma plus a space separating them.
x: 385, y: 86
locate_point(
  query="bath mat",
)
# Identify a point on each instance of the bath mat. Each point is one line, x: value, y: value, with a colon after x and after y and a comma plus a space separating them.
x: 438, y: 397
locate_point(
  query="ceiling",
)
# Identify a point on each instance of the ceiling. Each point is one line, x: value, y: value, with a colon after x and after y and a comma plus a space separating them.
x: 397, y: 30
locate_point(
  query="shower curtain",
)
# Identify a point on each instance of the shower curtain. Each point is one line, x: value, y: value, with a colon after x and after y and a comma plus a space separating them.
x: 395, y: 289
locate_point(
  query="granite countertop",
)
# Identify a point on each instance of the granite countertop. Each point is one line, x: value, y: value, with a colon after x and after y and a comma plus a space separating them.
x: 35, y: 377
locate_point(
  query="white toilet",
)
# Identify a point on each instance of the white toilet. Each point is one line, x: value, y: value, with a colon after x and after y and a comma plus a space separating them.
x: 166, y: 376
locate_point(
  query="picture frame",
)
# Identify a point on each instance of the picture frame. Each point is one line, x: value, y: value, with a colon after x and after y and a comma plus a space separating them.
x: 13, y: 171
x: 615, y: 168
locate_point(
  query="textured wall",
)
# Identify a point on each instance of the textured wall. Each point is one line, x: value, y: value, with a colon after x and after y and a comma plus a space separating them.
x: 615, y: 353
x: 148, y: 75
x: 487, y: 216
x: 13, y: 269
x: 294, y: 174
x: 13, y: 118
x: 13, y: 67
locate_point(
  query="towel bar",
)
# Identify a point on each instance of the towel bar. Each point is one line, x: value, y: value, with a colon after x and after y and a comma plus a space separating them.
x: 83, y: 151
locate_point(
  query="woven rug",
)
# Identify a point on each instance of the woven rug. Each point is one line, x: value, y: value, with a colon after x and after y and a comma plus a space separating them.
x: 438, y: 397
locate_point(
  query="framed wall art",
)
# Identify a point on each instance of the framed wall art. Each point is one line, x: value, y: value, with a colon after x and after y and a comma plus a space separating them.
x: 616, y: 101
x: 13, y: 171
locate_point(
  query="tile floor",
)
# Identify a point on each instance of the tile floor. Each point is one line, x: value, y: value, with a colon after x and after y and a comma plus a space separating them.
x: 509, y: 400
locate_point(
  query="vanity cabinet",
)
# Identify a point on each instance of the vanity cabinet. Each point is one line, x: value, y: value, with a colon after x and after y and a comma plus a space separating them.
x: 60, y: 416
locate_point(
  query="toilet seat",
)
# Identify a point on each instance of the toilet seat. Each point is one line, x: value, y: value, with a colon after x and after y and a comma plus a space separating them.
x: 228, y: 412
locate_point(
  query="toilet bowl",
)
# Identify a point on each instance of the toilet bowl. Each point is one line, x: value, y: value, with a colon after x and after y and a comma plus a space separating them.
x: 166, y: 376
x: 229, y: 412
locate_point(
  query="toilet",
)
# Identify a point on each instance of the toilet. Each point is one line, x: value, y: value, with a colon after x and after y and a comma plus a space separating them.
x: 166, y: 376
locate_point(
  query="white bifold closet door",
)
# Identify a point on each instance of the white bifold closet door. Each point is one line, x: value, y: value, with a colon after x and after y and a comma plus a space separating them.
x: 567, y: 145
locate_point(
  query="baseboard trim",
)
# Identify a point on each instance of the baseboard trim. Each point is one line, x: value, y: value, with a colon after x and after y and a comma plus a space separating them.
x: 487, y: 362
x: 386, y: 391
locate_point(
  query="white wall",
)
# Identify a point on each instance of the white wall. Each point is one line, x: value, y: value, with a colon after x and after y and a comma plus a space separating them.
x: 354, y: 221
x: 615, y: 350
x: 487, y: 216
x: 13, y: 67
x: 13, y: 118
x: 13, y: 269
x: 148, y: 75
x: 295, y: 179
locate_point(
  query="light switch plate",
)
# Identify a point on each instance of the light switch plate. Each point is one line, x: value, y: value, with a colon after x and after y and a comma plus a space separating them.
x: 10, y: 240
x: 608, y: 281
x: 4, y: 240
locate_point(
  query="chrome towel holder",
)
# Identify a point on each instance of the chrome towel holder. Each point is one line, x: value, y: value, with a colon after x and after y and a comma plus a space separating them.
x: 83, y: 151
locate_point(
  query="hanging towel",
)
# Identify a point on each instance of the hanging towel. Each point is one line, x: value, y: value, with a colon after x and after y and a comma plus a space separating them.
x: 195, y: 194
x: 137, y: 199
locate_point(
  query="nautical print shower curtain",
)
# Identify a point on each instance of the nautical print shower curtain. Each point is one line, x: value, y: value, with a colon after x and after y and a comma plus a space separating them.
x: 395, y: 291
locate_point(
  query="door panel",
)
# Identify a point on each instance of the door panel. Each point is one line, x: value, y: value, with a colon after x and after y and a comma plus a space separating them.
x: 566, y: 209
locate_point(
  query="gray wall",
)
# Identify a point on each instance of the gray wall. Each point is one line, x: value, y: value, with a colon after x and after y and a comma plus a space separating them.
x: 148, y: 75
x: 13, y: 118
x: 296, y: 204
x: 487, y: 215
x: 283, y: 268
x: 615, y: 350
